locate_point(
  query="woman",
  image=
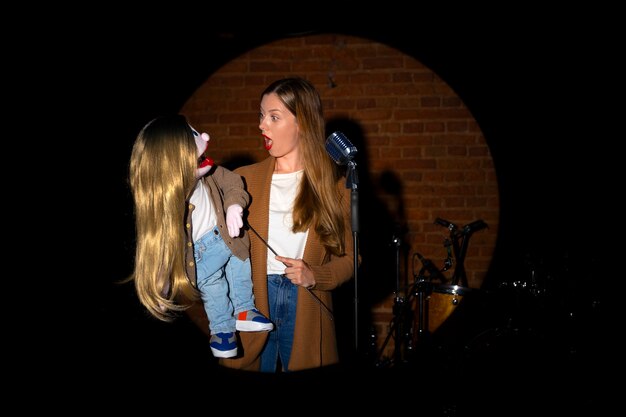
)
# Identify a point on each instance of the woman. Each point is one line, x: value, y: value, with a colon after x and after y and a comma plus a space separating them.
x: 301, y: 244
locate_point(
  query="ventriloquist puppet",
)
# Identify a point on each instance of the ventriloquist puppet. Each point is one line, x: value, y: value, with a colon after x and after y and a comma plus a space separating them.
x: 189, y: 238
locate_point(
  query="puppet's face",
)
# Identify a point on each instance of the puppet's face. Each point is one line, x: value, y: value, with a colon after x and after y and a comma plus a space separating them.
x: 204, y: 162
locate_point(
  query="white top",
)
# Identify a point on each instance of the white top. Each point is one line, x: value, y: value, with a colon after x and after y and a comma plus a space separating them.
x: 203, y: 217
x: 286, y: 243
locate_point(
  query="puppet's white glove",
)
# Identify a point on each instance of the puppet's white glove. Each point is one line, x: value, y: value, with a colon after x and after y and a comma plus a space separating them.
x: 234, y: 219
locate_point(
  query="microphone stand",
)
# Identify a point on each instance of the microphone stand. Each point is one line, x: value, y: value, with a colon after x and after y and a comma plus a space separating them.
x: 352, y: 181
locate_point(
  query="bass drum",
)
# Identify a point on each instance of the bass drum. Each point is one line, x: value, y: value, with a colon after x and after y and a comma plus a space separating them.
x: 438, y: 306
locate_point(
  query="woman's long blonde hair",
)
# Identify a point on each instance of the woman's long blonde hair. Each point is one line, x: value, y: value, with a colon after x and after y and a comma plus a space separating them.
x: 162, y: 176
x: 317, y: 204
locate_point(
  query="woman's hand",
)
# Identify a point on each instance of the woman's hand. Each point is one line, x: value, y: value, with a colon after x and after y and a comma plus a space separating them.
x: 298, y: 272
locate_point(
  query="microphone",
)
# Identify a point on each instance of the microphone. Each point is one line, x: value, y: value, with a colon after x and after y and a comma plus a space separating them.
x: 442, y: 222
x: 446, y: 224
x: 431, y: 268
x: 340, y: 149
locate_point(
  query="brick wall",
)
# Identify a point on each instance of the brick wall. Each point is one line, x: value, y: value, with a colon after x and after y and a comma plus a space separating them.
x: 421, y: 155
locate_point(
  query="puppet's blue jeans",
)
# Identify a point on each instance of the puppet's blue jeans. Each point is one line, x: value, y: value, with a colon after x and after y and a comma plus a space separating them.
x: 224, y: 282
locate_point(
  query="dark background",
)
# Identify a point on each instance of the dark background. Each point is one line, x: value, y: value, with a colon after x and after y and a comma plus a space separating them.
x: 536, y: 87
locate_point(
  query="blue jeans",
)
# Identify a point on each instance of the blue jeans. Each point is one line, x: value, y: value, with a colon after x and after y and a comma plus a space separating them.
x: 224, y: 282
x: 283, y: 297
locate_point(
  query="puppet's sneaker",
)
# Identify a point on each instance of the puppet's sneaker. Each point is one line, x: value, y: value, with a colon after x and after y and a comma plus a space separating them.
x: 223, y: 345
x: 253, y: 321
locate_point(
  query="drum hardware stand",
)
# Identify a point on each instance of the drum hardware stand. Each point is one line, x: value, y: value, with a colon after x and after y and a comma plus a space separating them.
x: 400, y: 325
x: 422, y: 287
x: 448, y: 262
x: 460, y: 249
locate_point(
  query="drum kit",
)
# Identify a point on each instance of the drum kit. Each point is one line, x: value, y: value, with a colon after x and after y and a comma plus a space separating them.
x: 432, y: 297
x: 548, y: 301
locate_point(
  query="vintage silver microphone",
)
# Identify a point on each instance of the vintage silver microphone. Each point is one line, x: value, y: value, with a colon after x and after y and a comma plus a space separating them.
x: 340, y: 149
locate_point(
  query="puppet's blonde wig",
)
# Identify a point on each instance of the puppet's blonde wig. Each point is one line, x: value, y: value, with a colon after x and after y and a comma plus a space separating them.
x: 162, y: 176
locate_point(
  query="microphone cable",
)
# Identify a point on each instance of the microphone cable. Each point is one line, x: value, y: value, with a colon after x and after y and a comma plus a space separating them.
x: 326, y: 309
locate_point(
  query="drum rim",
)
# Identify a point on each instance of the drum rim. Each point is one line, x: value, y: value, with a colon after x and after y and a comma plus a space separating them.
x: 451, y: 289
